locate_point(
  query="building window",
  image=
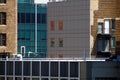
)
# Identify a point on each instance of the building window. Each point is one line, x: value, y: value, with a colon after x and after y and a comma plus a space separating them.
x: 113, y: 23
x: 44, y: 69
x: 2, y: 39
x: 63, y: 69
x: 52, y: 42
x: 74, y: 69
x: 2, y: 68
x: 103, y: 44
x: 35, y: 68
x: 100, y: 44
x: 52, y: 56
x: 60, y: 42
x: 60, y: 25
x: 18, y: 68
x: 26, y: 68
x: 60, y: 55
x: 107, y: 26
x: 2, y: 18
x: 2, y: 1
x: 100, y: 28
x: 113, y: 41
x: 9, y: 67
x: 54, y: 69
x: 52, y: 25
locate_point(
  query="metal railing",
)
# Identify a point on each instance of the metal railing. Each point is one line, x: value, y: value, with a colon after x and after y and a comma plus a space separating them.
x: 52, y: 59
x: 56, y: 0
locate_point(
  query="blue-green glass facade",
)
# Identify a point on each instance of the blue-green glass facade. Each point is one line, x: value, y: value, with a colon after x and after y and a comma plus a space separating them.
x: 30, y: 17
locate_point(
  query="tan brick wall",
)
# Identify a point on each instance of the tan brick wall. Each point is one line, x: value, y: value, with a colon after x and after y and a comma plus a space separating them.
x: 11, y: 26
x: 106, y: 9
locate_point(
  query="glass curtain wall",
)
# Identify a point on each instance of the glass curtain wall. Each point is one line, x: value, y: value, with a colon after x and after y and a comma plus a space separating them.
x: 26, y: 29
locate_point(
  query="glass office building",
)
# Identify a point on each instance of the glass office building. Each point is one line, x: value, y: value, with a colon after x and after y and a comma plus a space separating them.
x: 32, y: 26
x: 39, y: 70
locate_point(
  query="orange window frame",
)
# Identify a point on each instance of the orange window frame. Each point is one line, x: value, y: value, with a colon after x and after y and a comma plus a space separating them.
x: 60, y: 25
x: 52, y: 25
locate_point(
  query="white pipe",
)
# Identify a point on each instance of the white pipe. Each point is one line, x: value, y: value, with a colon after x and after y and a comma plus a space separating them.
x: 35, y: 28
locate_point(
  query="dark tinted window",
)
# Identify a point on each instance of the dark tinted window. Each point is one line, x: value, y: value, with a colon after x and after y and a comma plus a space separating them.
x: 9, y: 67
x: 73, y: 69
x: 35, y: 68
x: 2, y: 1
x: 113, y: 23
x: 18, y: 68
x: 44, y: 68
x: 44, y: 21
x: 26, y: 68
x: 19, y: 18
x: 39, y: 18
x: 64, y: 69
x: 27, y: 18
x: 22, y: 17
x: 2, y: 39
x: 30, y: 18
x: 2, y: 67
x: 54, y: 69
x: 2, y: 18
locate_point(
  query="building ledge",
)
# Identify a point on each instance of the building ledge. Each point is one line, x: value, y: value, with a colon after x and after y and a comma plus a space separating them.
x: 104, y: 35
x: 103, y: 54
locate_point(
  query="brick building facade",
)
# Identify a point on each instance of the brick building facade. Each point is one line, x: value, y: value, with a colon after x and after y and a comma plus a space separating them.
x: 105, y: 27
x: 8, y: 27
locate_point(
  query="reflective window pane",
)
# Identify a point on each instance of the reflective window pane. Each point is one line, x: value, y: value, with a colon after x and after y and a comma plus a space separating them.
x: 26, y: 68
x: 73, y: 69
x: 64, y: 69
x: 113, y: 24
x: 2, y: 1
x: 9, y: 67
x: 35, y: 68
x: 107, y: 26
x: 18, y: 68
x: 54, y: 69
x: 44, y: 68
x: 2, y: 67
x: 2, y: 18
x: 113, y: 41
